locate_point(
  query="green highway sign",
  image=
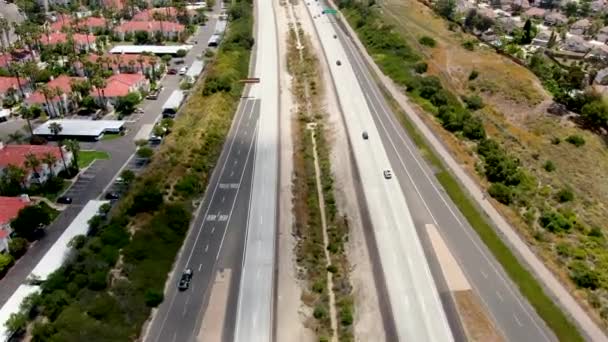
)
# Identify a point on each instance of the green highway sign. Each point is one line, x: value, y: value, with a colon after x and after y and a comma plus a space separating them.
x: 329, y: 11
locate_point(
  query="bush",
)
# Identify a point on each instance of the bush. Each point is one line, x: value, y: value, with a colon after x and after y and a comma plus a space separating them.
x: 421, y: 67
x: 346, y: 315
x: 469, y: 44
x: 148, y: 199
x: 556, y: 140
x: 583, y: 276
x: 153, y: 298
x: 17, y: 247
x: 473, y: 102
x: 181, y: 53
x: 145, y: 152
x: 473, y: 129
x: 555, y: 222
x: 549, y: 166
x: 319, y: 312
x: 473, y: 75
x: 6, y: 261
x: 427, y: 41
x: 576, y: 140
x: 564, y: 195
x: 501, y: 193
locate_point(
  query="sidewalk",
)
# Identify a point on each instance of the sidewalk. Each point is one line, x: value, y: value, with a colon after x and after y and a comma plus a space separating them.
x: 556, y: 290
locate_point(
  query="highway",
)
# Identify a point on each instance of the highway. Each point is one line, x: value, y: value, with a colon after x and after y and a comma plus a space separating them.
x: 415, y: 305
x: 428, y: 203
x: 254, y: 322
x: 223, y: 211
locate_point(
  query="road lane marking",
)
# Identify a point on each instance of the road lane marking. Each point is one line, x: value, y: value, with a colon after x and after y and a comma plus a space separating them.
x: 235, y: 161
x: 517, y: 320
x: 391, y: 120
x: 231, y: 173
x: 206, y: 248
x: 200, y: 267
x: 499, y: 296
x: 212, y: 229
x: 174, y: 337
x: 483, y: 274
x: 211, y: 217
x: 237, y: 196
x: 223, y: 199
x: 238, y: 152
x: 223, y: 218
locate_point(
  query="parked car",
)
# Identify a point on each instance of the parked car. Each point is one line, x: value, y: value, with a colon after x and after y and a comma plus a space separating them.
x: 183, y: 70
x: 112, y: 196
x: 172, y: 71
x: 388, y: 174
x: 155, y: 140
x: 64, y: 200
x: 365, y: 136
x: 153, y: 95
x: 139, y: 110
x: 338, y: 62
x: 184, y: 282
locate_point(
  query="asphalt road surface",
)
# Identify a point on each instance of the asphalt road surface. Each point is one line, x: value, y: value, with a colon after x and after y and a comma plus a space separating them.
x: 101, y: 173
x: 224, y: 211
x: 428, y: 203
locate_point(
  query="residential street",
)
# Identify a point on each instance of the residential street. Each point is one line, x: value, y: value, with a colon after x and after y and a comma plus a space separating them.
x: 102, y: 172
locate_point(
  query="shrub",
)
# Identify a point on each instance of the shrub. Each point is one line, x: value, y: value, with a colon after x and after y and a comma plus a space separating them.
x: 147, y: 199
x: 549, y: 166
x: 473, y: 129
x: 469, y: 44
x: 153, y: 298
x: 6, y: 261
x: 501, y: 193
x: 473, y: 75
x: 555, y: 222
x: 427, y: 41
x: 583, y: 276
x: 473, y: 102
x: 181, y: 53
x: 576, y: 140
x: 564, y: 195
x: 556, y: 140
x: 319, y: 312
x: 17, y: 247
x: 421, y: 67
x: 332, y: 269
x: 346, y: 315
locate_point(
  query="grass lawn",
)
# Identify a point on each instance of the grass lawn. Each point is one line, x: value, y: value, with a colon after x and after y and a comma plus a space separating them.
x: 85, y: 158
x: 110, y: 136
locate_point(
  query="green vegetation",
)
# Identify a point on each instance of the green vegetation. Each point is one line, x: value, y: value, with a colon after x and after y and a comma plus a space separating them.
x: 510, y: 183
x: 31, y: 218
x: 110, y: 136
x: 427, y: 41
x: 85, y: 158
x: 95, y: 296
x: 576, y: 140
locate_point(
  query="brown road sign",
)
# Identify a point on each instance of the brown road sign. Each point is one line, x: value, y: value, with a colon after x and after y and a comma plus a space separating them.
x: 250, y: 80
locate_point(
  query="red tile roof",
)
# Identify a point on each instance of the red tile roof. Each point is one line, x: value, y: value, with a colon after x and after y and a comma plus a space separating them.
x: 119, y: 85
x: 149, y: 26
x: 117, y: 4
x: 82, y: 23
x: 60, y: 37
x: 62, y: 82
x: 15, y: 154
x: 124, y: 59
x: 148, y: 14
x: 9, y: 209
x: 7, y: 83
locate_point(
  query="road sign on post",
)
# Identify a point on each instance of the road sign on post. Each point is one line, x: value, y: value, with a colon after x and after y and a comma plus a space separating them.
x: 329, y: 11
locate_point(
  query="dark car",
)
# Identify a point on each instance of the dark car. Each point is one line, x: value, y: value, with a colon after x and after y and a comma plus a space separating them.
x: 172, y: 71
x: 365, y: 136
x: 184, y: 282
x: 338, y: 62
x: 64, y: 200
x: 112, y: 196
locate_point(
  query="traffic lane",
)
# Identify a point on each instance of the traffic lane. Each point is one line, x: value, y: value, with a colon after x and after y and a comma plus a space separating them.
x: 516, y: 318
x: 222, y: 176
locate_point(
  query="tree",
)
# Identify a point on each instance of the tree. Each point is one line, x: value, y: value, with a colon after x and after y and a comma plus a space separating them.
x: 595, y: 113
x: 27, y: 114
x: 127, y: 176
x: 12, y: 180
x: 100, y: 84
x: 74, y: 147
x: 528, y: 33
x: 29, y: 220
x: 32, y: 161
x: 55, y: 129
x: 145, y: 152
x: 17, y: 247
x: 16, y: 323
x: 48, y: 96
x: 446, y: 8
x: 49, y: 159
x: 571, y: 8
x: 15, y: 137
x: 126, y: 104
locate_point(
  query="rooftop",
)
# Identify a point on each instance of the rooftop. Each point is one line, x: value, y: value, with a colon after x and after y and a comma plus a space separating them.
x: 60, y: 37
x: 81, y: 128
x: 156, y: 49
x: 149, y: 26
x: 7, y: 83
x: 15, y: 154
x: 10, y: 207
x: 120, y: 85
x: 62, y: 82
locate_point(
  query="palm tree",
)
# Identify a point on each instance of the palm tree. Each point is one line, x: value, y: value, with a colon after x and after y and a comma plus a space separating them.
x: 131, y: 66
x: 49, y: 159
x: 74, y: 147
x: 99, y: 84
x: 15, y: 137
x: 141, y: 60
x: 153, y: 60
x: 63, y: 106
x: 4, y: 27
x: 34, y: 163
x: 15, y: 70
x: 56, y: 128
x: 28, y: 115
x: 14, y: 175
x: 48, y: 94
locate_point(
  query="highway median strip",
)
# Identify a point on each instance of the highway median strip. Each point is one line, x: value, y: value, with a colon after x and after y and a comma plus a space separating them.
x: 320, y: 229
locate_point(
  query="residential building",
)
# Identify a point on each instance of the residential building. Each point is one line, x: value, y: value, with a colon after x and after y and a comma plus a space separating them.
x: 509, y: 24
x: 62, y: 102
x: 19, y: 55
x: 16, y: 155
x: 555, y: 19
x: 601, y: 77
x: 168, y: 29
x: 602, y: 34
x: 121, y: 85
x: 82, y: 42
x: 580, y: 27
x: 574, y: 43
x: 542, y: 39
x: 88, y: 24
x: 535, y: 12
x: 123, y: 63
x: 598, y: 6
x: 9, y: 210
x: 9, y: 86
x: 164, y: 13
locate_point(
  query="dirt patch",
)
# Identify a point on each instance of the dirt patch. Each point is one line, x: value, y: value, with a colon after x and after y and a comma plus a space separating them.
x: 474, y: 318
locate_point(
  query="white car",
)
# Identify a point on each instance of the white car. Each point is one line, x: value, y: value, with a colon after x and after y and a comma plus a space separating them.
x: 182, y: 71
